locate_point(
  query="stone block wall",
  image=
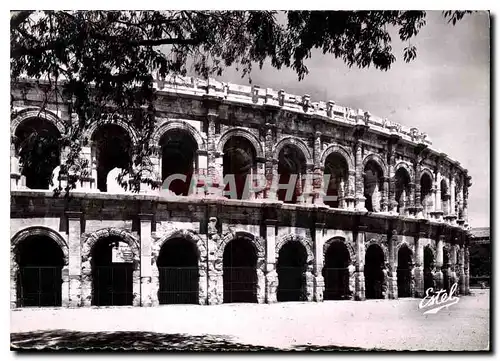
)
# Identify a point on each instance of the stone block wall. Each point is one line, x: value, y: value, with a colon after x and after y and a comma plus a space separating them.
x: 76, y: 232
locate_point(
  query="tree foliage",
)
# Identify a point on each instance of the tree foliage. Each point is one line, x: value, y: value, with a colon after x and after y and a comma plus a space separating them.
x: 104, y: 62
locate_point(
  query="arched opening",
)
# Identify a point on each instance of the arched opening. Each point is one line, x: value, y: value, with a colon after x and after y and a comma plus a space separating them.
x: 336, y: 167
x: 291, y: 268
x: 429, y: 264
x: 402, y: 190
x: 178, y: 154
x: 445, y: 196
x: 446, y: 270
x: 291, y: 165
x: 373, y: 186
x: 112, y: 272
x: 426, y: 193
x: 112, y: 148
x: 374, y: 272
x: 40, y: 260
x: 239, y: 271
x: 405, y: 265
x: 240, y: 161
x: 178, y: 272
x: 336, y: 272
x: 38, y: 146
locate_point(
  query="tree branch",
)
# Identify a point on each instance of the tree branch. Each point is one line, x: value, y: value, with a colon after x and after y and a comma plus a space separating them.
x: 18, y: 17
x: 18, y: 50
x: 145, y: 42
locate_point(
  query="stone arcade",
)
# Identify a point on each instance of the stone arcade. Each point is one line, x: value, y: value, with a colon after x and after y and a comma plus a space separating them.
x: 396, y: 226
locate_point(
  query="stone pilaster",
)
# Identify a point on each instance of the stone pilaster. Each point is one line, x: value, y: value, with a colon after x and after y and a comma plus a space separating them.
x: 452, y: 195
x: 418, y: 270
x: 360, y: 199
x: 466, y: 270
x: 213, y: 162
x: 411, y: 204
x: 453, y: 264
x: 261, y: 279
x: 466, y: 201
x: 352, y: 279
x: 271, y: 274
x: 351, y: 190
x: 74, y: 259
x: 215, y: 290
x: 418, y: 208
x: 438, y: 275
x: 318, y: 187
x: 146, y: 269
x: 393, y: 204
x: 392, y: 268
x: 461, y: 269
x: 319, y: 282
x: 268, y: 143
x: 273, y: 178
x: 359, y: 277
x: 15, y: 171
x: 309, y: 278
x: 88, y: 153
x: 385, y: 195
x: 437, y: 194
x: 65, y: 286
x: 14, y: 279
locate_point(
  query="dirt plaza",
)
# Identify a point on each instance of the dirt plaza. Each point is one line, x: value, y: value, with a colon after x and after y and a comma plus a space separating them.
x: 330, y: 325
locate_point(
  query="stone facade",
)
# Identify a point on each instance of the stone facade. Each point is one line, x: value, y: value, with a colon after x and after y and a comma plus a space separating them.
x: 387, y: 219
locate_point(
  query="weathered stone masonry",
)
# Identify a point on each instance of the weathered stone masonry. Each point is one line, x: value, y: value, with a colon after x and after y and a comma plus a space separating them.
x: 212, y: 114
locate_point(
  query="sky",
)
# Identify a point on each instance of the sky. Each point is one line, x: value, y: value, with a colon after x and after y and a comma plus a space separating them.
x: 444, y: 92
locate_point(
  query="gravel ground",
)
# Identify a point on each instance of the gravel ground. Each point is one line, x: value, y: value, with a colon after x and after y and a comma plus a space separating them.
x: 330, y: 325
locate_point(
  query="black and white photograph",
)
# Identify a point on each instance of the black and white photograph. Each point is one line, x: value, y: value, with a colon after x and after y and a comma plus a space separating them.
x: 249, y: 180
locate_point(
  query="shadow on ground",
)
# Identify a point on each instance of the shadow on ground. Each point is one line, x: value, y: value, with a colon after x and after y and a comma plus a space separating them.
x: 65, y: 340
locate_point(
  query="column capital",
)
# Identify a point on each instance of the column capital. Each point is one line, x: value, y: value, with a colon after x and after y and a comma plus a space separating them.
x: 145, y: 216
x: 270, y: 222
x: 73, y: 214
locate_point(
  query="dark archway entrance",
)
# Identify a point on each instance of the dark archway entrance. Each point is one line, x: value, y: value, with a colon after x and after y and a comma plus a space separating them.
x: 373, y: 180
x: 40, y: 261
x: 178, y: 272
x: 113, y: 149
x: 239, y: 271
x: 38, y: 145
x: 426, y: 193
x: 291, y: 165
x: 336, y: 272
x: 112, y: 272
x: 336, y: 167
x: 429, y: 269
x: 240, y: 161
x: 402, y: 190
x: 291, y: 268
x: 445, y: 197
x: 404, y: 272
x: 178, y: 149
x: 374, y: 274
